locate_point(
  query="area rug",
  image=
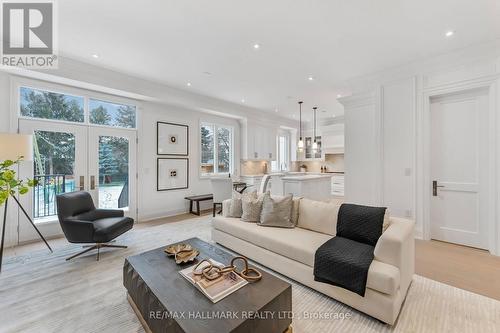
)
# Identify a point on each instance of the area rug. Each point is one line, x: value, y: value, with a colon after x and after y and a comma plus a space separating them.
x: 41, y: 292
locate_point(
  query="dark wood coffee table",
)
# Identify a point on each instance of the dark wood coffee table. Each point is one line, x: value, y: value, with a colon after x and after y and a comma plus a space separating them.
x: 166, y: 302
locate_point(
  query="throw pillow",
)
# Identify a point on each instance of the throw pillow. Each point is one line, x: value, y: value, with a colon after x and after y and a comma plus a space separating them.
x: 360, y: 223
x: 295, y: 210
x: 276, y: 212
x: 235, y: 208
x: 318, y: 216
x: 252, y: 206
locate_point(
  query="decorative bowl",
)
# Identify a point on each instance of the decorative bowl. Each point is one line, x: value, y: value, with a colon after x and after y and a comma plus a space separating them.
x: 172, y: 250
x: 182, y: 252
x: 186, y: 256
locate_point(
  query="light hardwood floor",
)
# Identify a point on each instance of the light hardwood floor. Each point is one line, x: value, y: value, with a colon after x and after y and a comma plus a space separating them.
x: 463, y: 267
x: 460, y: 266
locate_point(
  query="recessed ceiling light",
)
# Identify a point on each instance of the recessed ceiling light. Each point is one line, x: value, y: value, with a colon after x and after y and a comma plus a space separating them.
x: 95, y: 56
x: 310, y: 78
x: 242, y: 100
x: 450, y: 33
x: 333, y: 116
x: 339, y: 95
x: 293, y: 116
x: 276, y: 110
x: 256, y: 46
x: 188, y: 84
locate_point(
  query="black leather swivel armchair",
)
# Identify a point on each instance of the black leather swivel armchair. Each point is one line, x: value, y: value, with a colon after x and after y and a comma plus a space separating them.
x: 81, y: 222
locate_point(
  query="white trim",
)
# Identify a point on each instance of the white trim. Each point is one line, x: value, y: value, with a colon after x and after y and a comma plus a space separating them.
x: 216, y: 126
x: 423, y: 154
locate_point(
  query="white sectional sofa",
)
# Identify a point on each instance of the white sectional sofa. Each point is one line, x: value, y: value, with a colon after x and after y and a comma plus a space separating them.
x: 291, y: 253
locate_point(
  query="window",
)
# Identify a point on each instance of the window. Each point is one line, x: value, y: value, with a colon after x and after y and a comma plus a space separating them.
x: 49, y: 105
x: 216, y: 149
x: 43, y: 104
x: 282, y: 162
x: 111, y: 114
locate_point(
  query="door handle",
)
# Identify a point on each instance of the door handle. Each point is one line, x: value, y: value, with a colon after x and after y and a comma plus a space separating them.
x: 82, y: 183
x: 435, y: 188
x: 92, y: 182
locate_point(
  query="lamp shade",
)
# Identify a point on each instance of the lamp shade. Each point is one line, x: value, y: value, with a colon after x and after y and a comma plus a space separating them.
x: 12, y: 146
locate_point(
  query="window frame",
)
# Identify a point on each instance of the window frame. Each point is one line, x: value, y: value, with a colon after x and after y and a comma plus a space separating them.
x: 287, y: 136
x: 18, y: 83
x: 216, y: 127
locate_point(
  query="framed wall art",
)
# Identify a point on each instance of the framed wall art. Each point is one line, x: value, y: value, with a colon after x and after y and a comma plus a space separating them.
x: 172, y: 173
x: 172, y: 139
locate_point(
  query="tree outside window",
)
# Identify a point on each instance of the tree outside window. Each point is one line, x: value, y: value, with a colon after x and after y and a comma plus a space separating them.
x: 216, y: 149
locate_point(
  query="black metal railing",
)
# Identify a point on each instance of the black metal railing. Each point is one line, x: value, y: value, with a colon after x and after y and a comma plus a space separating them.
x: 44, y: 194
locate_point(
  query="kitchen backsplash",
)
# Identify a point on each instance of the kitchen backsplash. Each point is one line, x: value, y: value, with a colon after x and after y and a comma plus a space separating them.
x: 333, y: 162
x: 254, y: 167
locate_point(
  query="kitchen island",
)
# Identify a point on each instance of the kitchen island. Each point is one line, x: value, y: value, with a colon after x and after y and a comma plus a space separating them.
x: 315, y: 187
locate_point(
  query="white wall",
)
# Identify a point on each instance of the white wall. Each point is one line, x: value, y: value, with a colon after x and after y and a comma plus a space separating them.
x: 361, y: 160
x: 153, y: 203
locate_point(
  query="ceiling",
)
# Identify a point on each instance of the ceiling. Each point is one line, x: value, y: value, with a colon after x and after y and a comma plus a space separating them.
x: 210, y: 44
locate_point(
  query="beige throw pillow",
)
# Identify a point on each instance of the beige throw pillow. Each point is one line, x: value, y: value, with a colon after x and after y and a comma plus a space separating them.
x: 318, y: 216
x: 252, y: 206
x: 276, y: 212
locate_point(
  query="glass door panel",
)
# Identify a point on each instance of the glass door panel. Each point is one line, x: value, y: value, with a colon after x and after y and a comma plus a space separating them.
x: 54, y: 165
x: 112, y: 176
x: 113, y: 172
x: 59, y: 164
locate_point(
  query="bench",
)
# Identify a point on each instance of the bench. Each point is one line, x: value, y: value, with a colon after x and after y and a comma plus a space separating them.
x: 197, y: 199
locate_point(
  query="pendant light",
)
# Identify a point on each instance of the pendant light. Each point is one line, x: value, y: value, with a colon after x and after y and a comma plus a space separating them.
x: 300, y: 144
x: 315, y: 144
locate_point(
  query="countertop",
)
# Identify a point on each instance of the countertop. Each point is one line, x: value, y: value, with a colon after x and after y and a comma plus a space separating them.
x: 306, y: 177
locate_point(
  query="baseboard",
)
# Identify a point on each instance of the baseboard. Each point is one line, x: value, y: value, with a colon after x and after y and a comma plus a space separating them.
x: 151, y: 217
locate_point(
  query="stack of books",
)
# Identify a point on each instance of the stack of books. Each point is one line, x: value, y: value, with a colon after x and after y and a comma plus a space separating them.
x: 216, y: 289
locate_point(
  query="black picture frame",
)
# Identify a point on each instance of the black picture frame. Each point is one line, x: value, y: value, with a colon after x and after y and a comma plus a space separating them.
x: 158, y: 159
x: 158, y: 124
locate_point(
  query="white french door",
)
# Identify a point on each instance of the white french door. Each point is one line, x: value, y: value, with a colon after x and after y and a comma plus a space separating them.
x: 459, y: 168
x: 112, y: 180
x: 96, y: 159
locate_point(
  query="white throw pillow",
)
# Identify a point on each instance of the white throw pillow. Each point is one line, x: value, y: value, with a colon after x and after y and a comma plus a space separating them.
x: 318, y: 216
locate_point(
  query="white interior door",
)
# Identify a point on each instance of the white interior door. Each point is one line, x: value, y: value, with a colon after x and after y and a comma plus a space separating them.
x: 112, y: 168
x: 459, y: 168
x: 57, y: 171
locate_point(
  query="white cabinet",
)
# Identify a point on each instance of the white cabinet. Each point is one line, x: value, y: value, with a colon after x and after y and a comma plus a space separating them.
x: 338, y: 185
x: 259, y: 142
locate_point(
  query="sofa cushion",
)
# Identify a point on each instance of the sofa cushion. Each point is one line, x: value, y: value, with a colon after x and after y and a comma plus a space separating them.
x: 318, y: 216
x: 300, y: 245
x: 297, y: 244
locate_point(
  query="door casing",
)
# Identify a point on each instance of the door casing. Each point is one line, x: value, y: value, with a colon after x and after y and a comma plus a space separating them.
x: 423, y: 167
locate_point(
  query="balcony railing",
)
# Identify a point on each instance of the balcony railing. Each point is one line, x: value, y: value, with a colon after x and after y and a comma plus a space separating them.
x: 44, y: 194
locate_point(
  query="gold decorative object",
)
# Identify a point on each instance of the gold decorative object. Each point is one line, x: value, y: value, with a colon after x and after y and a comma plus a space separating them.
x: 249, y: 274
x: 211, y: 272
x: 182, y: 252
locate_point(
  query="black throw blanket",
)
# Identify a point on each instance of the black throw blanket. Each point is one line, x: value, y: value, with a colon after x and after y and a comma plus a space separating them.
x: 345, y: 259
x: 343, y: 263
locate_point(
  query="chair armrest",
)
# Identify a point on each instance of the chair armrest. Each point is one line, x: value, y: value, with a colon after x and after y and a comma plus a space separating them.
x: 396, y: 247
x: 78, y: 231
x: 103, y: 213
x: 225, y: 207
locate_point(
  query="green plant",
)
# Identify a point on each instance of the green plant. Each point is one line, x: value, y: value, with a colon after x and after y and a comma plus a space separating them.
x: 9, y: 184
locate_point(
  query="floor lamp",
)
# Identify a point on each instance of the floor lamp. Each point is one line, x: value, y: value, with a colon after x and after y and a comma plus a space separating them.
x: 12, y: 146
